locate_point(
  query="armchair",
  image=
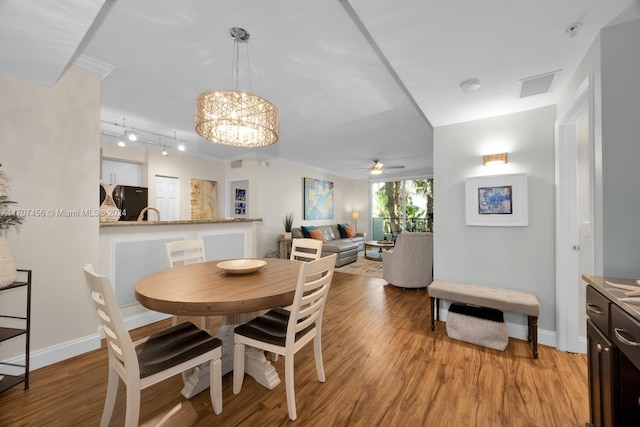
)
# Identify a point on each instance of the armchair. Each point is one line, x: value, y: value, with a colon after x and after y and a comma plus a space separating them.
x: 410, y: 263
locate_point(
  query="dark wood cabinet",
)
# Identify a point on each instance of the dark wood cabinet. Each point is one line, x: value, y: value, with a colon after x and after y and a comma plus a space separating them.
x: 602, y: 394
x: 613, y: 335
x: 6, y: 333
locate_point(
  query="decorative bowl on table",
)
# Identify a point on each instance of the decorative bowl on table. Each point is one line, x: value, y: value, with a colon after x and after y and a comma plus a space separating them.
x: 241, y: 266
x: 385, y: 242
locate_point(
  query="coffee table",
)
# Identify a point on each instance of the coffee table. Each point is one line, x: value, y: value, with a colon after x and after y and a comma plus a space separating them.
x: 376, y: 255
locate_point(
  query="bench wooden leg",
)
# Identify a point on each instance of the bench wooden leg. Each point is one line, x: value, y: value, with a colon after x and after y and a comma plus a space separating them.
x: 433, y: 313
x: 533, y: 334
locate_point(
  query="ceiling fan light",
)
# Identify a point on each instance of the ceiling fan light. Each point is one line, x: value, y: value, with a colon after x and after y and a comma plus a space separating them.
x: 375, y: 171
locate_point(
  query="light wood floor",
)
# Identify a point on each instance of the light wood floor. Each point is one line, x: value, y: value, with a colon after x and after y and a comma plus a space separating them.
x: 384, y: 367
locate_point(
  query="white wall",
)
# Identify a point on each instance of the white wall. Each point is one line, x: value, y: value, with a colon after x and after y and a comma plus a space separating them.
x: 276, y: 189
x: 613, y: 63
x: 519, y: 258
x: 620, y: 67
x: 50, y: 149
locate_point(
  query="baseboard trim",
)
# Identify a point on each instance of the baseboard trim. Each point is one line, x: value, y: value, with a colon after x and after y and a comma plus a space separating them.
x: 518, y: 331
x: 60, y: 352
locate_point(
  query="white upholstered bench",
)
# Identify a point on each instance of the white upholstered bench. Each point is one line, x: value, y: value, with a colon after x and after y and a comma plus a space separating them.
x: 484, y: 296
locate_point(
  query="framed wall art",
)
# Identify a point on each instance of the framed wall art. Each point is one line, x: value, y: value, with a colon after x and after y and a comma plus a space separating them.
x: 497, y: 200
x: 204, y: 196
x: 318, y: 199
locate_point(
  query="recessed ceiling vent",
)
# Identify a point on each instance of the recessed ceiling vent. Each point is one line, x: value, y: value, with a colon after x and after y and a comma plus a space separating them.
x: 235, y: 164
x: 537, y: 85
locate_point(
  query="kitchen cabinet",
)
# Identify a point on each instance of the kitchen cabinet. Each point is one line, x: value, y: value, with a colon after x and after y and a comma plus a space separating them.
x: 613, y: 351
x: 602, y: 395
x: 120, y: 173
x: 7, y: 333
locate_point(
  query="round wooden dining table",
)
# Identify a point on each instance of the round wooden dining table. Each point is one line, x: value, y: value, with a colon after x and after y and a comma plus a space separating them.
x: 204, y: 289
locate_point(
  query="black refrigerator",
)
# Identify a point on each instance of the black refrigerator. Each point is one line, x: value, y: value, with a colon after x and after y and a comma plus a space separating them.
x: 130, y: 200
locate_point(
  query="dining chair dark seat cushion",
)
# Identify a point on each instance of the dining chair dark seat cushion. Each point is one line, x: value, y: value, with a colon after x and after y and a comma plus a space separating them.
x: 271, y: 329
x: 172, y: 347
x: 279, y: 313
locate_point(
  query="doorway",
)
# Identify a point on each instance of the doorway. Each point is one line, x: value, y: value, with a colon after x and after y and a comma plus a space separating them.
x: 575, y: 254
x: 167, y: 197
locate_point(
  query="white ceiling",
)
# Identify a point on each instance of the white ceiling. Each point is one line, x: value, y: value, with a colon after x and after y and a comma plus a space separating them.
x: 353, y: 80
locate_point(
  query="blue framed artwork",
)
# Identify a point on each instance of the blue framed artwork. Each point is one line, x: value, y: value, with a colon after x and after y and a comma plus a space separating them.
x: 497, y: 200
x: 318, y: 199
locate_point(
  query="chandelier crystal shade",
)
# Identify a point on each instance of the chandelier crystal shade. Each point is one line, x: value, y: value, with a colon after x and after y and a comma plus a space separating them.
x: 235, y: 117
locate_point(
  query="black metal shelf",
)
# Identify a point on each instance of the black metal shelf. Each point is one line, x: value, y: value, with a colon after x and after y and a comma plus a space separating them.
x: 8, y: 333
x: 8, y: 380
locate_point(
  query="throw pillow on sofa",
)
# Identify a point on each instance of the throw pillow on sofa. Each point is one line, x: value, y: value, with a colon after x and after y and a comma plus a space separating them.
x: 343, y: 234
x: 305, y: 230
x: 317, y: 234
x: 350, y: 231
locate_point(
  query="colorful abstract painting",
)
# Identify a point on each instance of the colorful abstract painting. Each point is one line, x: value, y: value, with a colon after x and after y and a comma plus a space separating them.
x: 495, y: 200
x: 318, y: 199
x: 204, y: 199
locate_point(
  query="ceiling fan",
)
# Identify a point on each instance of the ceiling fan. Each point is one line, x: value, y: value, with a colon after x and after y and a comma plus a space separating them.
x: 379, y: 168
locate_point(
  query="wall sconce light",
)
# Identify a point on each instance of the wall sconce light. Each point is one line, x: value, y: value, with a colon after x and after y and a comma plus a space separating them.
x: 495, y: 159
x: 355, y: 216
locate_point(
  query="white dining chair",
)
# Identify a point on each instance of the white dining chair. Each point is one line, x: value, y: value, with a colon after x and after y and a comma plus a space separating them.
x: 183, y: 252
x: 304, y: 323
x: 153, y: 359
x: 301, y: 250
x: 306, y: 249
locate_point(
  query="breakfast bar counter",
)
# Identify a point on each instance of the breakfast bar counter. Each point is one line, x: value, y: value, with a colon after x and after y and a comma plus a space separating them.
x: 131, y: 250
x: 178, y: 222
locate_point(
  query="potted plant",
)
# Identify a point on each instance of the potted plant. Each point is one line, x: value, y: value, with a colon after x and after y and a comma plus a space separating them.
x: 8, y: 218
x: 288, y: 224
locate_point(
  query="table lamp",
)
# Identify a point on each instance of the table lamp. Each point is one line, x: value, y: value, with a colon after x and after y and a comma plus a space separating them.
x: 355, y: 216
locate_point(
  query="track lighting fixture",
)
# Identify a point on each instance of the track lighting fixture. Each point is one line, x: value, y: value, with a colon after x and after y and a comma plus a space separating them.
x: 130, y: 134
x: 121, y: 134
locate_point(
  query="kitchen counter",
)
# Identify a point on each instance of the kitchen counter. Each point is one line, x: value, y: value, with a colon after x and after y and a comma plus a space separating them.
x: 131, y: 250
x: 179, y: 222
x: 614, y: 294
x: 613, y: 350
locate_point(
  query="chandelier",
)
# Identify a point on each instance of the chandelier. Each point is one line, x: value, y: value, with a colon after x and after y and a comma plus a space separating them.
x: 234, y: 117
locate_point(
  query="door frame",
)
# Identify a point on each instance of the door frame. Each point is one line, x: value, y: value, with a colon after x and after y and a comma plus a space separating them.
x: 567, y: 229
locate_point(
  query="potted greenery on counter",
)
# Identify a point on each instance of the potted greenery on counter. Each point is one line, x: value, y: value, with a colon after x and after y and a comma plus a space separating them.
x: 288, y: 224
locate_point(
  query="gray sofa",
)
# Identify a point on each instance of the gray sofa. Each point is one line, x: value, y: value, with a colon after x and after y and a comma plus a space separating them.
x: 346, y: 248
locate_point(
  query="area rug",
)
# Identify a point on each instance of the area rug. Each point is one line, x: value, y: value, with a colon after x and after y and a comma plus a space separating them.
x: 363, y: 267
